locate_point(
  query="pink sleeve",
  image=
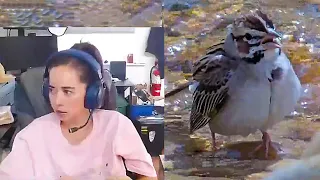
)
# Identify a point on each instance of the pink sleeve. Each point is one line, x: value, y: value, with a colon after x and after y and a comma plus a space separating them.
x: 130, y: 146
x: 18, y: 164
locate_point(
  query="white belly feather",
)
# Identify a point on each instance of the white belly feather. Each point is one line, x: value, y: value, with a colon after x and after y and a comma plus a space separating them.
x: 246, y: 111
x: 249, y: 109
x: 285, y: 95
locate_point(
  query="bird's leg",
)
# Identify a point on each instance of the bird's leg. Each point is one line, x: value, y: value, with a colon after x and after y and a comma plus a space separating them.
x: 266, y: 143
x: 214, y: 145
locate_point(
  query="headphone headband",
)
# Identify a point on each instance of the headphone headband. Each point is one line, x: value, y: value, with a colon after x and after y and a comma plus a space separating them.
x: 79, y: 55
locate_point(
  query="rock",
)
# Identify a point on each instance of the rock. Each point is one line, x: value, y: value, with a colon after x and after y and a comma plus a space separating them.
x: 244, y: 149
x: 257, y: 176
x: 172, y: 33
x: 187, y: 66
x: 179, y: 7
x: 168, y: 165
x: 197, y: 144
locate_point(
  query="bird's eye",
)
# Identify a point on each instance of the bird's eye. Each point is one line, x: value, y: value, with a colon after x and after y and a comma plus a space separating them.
x: 248, y: 36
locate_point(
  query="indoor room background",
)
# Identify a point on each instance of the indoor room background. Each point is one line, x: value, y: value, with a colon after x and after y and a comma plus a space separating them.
x: 24, y: 54
x: 114, y: 43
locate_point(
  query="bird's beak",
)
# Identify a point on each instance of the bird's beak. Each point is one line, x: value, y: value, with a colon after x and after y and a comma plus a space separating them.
x: 271, y: 41
x: 274, y: 33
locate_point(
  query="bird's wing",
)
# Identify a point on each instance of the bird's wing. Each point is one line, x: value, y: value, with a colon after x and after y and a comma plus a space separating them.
x: 212, y: 72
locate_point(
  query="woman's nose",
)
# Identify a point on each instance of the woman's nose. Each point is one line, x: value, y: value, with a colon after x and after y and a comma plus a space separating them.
x: 58, y: 98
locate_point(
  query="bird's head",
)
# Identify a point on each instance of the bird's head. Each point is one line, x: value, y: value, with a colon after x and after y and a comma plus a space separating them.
x: 258, y: 45
x: 255, y: 37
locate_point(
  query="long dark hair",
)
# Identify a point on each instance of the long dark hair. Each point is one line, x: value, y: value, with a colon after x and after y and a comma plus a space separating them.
x: 90, y: 49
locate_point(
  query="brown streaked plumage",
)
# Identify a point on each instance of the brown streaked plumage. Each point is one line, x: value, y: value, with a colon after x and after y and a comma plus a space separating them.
x: 212, y: 72
x: 217, y: 99
x: 235, y: 93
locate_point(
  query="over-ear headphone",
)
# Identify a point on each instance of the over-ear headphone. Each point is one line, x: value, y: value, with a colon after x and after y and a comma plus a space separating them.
x: 95, y: 91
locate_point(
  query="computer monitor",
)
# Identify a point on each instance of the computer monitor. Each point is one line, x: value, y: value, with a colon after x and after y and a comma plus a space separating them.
x: 118, y: 69
x: 23, y: 52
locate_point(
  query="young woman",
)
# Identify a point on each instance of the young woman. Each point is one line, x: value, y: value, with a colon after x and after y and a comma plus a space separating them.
x: 78, y: 140
x: 111, y: 94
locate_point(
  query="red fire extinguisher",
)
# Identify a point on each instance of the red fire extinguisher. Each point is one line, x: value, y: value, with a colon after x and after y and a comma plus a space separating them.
x: 155, y: 84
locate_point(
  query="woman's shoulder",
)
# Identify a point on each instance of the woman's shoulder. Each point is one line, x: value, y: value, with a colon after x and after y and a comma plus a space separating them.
x: 111, y: 116
x: 37, y: 126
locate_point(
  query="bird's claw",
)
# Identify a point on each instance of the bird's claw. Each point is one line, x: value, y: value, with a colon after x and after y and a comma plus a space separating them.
x: 266, y: 143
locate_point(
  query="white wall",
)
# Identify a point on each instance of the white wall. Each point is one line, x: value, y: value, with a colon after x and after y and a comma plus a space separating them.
x: 114, y: 43
x: 115, y: 47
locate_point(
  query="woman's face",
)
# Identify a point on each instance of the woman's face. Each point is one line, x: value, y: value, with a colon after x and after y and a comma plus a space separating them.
x: 67, y: 92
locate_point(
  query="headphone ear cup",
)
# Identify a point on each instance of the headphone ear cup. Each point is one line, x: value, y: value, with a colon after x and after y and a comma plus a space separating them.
x: 45, y: 89
x: 91, y: 100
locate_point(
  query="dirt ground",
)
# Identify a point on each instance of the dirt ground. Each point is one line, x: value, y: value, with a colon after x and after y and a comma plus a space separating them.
x: 290, y: 136
x: 38, y: 13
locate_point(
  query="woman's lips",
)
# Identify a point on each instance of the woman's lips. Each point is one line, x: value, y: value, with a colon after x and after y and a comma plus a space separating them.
x: 61, y: 113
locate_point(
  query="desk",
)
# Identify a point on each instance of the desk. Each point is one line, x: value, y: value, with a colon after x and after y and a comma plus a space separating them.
x: 122, y: 86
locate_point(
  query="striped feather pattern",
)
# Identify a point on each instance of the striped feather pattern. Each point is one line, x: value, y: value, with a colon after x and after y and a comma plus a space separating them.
x: 206, y: 104
x: 212, y: 72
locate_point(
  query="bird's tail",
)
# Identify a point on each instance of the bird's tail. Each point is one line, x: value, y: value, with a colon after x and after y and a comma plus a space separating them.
x: 178, y: 89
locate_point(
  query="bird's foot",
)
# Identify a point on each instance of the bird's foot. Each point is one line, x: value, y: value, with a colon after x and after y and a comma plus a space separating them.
x: 214, y: 144
x: 265, y: 145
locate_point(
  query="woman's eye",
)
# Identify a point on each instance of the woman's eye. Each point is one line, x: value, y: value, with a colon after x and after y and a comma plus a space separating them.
x: 51, y: 90
x: 67, y: 92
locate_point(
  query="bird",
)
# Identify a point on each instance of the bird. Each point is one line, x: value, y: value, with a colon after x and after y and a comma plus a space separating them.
x: 307, y: 167
x: 244, y: 83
